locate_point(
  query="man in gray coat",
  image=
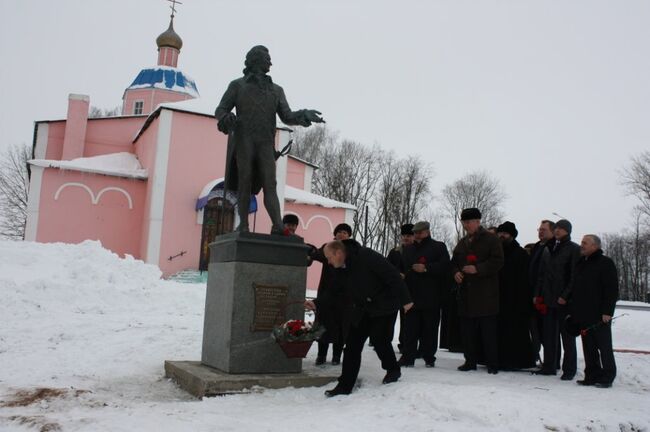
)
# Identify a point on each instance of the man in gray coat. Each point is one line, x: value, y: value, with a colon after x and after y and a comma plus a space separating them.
x: 554, y: 288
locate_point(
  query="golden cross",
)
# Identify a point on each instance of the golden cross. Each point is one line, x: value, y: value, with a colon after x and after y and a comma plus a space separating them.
x: 173, y: 6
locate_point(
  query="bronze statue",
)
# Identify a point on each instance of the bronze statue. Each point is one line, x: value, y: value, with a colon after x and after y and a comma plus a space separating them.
x: 250, y: 164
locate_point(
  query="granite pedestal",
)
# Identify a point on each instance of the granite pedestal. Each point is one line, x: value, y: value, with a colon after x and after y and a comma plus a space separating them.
x: 255, y: 281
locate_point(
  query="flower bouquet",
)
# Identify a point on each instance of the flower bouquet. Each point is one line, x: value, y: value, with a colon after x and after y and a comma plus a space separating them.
x: 296, y: 336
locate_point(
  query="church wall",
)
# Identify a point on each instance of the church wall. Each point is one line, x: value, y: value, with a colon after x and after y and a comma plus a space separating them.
x: 111, y: 135
x: 316, y: 227
x: 76, y: 206
x: 151, y: 98
x: 145, y: 150
x: 56, y: 132
x: 196, y: 157
x: 296, y: 174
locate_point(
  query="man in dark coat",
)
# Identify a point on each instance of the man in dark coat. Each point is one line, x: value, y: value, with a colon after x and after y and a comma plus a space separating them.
x: 425, y: 265
x: 476, y: 262
x: 376, y: 291
x: 594, y: 296
x: 395, y: 258
x: 332, y: 303
x: 251, y: 147
x: 406, y: 238
x: 515, y: 309
x: 545, y: 236
x: 554, y: 288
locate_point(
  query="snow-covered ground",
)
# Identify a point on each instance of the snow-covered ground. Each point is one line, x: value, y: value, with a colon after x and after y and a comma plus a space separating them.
x: 96, y: 329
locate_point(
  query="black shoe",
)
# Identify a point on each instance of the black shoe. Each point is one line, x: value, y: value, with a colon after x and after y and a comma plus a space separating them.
x: 586, y: 382
x: 543, y: 371
x: 466, y: 367
x: 567, y: 377
x: 603, y: 384
x: 392, y: 376
x: 405, y: 363
x: 336, y: 391
x: 336, y: 361
x: 430, y: 364
x: 493, y: 371
x: 320, y: 360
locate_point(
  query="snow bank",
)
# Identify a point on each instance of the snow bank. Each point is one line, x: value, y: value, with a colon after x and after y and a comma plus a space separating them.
x: 79, y: 317
x: 118, y: 164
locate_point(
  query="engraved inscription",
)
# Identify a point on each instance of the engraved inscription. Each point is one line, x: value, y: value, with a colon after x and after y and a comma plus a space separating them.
x: 270, y: 301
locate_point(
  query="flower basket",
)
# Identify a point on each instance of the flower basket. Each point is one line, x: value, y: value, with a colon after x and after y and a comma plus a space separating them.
x: 296, y: 349
x: 296, y: 336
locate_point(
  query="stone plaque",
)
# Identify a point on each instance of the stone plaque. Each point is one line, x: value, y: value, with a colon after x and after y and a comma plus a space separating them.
x: 270, y: 301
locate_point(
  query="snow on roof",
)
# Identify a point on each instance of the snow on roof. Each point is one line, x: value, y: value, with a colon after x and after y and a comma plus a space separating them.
x: 116, y: 164
x: 298, y: 196
x: 166, y: 78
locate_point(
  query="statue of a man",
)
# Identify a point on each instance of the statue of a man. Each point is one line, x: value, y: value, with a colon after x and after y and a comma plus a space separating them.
x: 251, y: 143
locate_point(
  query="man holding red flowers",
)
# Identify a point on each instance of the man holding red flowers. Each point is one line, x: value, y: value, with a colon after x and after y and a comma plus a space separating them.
x: 476, y: 262
x: 425, y: 265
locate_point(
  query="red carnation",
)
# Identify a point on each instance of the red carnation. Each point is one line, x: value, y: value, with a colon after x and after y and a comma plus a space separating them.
x: 584, y: 332
x: 422, y: 260
x: 471, y: 259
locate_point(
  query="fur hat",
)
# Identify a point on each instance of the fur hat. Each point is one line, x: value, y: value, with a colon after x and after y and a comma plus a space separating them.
x: 290, y: 219
x: 508, y: 227
x: 406, y: 229
x: 343, y: 227
x: 470, y: 214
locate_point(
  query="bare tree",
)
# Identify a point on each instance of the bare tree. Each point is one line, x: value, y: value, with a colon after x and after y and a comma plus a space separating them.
x: 631, y: 253
x: 386, y: 191
x: 95, y: 112
x: 476, y: 189
x: 636, y: 178
x: 14, y: 187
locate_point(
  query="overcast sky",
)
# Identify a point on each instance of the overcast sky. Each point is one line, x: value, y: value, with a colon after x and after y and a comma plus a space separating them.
x: 551, y: 97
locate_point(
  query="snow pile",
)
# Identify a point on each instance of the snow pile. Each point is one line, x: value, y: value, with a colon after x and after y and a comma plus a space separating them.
x: 118, y: 164
x: 97, y: 329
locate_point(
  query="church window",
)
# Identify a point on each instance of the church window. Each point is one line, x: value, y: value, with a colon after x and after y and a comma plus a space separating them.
x: 138, y: 107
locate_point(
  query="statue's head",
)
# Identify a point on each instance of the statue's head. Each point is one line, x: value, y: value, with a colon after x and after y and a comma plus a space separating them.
x: 258, y: 60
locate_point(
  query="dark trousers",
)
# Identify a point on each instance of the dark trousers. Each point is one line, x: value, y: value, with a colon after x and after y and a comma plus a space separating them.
x: 421, y: 326
x: 379, y: 330
x: 323, y: 346
x: 553, y: 330
x: 536, y: 334
x: 600, y: 365
x: 480, y: 332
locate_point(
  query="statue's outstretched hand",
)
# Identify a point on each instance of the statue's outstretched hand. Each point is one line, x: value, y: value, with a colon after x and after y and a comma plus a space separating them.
x: 314, y: 116
x: 227, y: 123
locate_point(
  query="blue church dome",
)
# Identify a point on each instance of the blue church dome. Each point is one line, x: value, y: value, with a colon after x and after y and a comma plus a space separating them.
x: 165, y: 78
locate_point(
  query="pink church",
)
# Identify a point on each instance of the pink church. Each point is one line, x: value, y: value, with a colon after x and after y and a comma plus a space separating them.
x: 145, y: 183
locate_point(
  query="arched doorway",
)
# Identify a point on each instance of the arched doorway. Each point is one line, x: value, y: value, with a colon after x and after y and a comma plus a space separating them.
x: 218, y: 218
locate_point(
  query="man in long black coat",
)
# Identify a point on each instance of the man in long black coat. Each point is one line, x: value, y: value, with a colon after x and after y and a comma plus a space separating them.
x: 377, y: 291
x: 515, y: 308
x: 554, y: 286
x: 425, y: 265
x: 594, y: 296
x: 476, y: 262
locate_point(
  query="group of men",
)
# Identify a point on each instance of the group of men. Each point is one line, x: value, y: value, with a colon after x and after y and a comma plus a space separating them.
x: 509, y: 300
